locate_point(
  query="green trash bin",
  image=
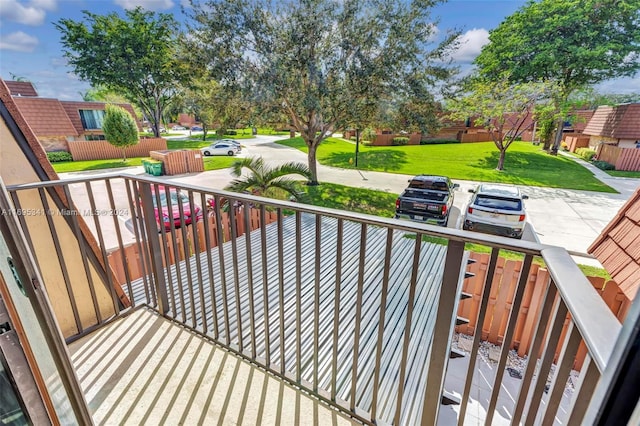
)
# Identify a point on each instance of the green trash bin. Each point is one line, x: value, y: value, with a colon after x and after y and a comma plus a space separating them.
x: 155, y: 169
x: 145, y: 164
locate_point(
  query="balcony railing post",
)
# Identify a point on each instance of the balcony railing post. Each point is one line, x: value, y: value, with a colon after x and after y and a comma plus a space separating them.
x: 442, y: 331
x: 151, y: 228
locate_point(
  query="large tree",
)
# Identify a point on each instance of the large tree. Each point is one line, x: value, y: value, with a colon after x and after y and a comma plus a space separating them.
x: 505, y: 109
x: 571, y: 43
x: 321, y: 62
x: 134, y: 56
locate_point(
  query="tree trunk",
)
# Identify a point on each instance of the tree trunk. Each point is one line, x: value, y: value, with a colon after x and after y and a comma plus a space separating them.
x: 558, y: 138
x: 500, y: 166
x: 158, y: 116
x: 124, y: 156
x: 313, y: 163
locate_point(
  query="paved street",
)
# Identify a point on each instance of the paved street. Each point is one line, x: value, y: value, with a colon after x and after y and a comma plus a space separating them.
x: 567, y: 218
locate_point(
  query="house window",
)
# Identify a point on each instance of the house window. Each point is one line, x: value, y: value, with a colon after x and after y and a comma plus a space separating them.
x: 94, y: 138
x: 91, y: 118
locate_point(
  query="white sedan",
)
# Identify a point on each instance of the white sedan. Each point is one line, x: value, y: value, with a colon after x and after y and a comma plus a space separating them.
x: 220, y: 148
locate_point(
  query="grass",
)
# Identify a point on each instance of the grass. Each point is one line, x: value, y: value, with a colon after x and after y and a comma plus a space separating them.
x: 218, y: 162
x: 525, y: 163
x: 210, y: 163
x: 352, y: 199
x: 623, y: 173
x: 79, y: 166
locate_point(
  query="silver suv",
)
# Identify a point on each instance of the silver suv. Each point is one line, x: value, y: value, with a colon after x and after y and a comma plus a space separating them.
x: 496, y: 209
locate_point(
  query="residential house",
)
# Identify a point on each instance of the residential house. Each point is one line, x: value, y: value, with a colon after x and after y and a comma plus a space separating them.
x: 56, y: 123
x: 615, y: 125
x: 322, y: 316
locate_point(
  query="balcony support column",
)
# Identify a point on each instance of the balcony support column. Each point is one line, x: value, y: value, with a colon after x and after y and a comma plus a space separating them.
x: 446, y: 314
x: 155, y: 252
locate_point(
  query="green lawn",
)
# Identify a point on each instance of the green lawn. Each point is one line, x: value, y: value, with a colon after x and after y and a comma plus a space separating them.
x: 622, y: 173
x: 352, y: 199
x: 525, y: 164
x: 210, y: 163
x: 79, y: 166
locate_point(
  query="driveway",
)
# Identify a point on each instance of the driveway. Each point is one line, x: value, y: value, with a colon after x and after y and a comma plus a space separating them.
x: 567, y: 218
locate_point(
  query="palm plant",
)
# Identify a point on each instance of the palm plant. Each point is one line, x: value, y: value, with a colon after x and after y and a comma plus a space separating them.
x: 268, y: 181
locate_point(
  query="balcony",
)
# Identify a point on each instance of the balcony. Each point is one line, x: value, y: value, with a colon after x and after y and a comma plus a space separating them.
x: 284, y: 311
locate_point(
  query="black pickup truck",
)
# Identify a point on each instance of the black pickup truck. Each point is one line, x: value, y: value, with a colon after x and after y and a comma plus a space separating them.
x: 427, y: 199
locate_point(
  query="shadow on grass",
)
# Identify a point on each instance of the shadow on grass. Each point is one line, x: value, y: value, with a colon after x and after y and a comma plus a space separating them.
x: 352, y: 199
x: 532, y: 168
x: 379, y: 159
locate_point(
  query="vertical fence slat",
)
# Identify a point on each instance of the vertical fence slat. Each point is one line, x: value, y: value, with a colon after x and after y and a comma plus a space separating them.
x: 538, y: 336
x: 484, y: 303
x: 508, y: 336
x: 557, y: 324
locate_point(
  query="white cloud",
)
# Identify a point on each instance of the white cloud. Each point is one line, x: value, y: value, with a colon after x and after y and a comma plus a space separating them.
x: 624, y: 85
x: 471, y: 43
x: 31, y: 13
x: 18, y: 41
x: 155, y: 5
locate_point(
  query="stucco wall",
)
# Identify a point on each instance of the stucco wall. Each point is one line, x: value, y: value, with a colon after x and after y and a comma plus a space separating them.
x: 53, y: 143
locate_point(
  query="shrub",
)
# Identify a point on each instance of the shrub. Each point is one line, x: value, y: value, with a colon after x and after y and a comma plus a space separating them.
x: 603, y: 165
x: 399, y: 141
x: 585, y: 153
x: 352, y: 138
x: 564, y: 146
x: 120, y: 128
x: 368, y: 134
x: 58, y: 156
x: 231, y: 132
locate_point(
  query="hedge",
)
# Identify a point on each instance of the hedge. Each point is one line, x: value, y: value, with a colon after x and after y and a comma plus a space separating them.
x: 59, y: 156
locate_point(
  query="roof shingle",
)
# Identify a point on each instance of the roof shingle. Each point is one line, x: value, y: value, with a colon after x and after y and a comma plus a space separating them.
x: 618, y: 247
x: 619, y: 122
x: 46, y: 117
x: 21, y: 88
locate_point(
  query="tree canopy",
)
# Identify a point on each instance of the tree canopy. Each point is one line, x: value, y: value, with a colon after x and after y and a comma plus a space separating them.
x: 134, y: 56
x: 120, y: 128
x: 571, y: 43
x: 325, y: 64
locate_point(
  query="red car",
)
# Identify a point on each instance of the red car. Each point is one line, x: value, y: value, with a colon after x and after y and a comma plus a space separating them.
x: 188, y: 210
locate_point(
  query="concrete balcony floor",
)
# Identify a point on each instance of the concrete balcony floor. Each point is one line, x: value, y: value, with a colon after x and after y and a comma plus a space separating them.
x: 144, y: 369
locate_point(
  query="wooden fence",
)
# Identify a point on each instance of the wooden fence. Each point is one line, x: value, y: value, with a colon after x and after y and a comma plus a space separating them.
x: 474, y: 137
x: 503, y: 288
x: 387, y: 139
x: 130, y: 258
x: 179, y: 161
x: 103, y: 150
x: 629, y: 159
x: 622, y: 158
x: 575, y: 142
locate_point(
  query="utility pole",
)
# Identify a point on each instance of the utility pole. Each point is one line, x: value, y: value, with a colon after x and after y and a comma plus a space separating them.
x: 357, y: 145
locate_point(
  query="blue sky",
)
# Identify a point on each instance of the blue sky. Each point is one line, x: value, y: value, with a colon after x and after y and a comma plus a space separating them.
x: 30, y: 45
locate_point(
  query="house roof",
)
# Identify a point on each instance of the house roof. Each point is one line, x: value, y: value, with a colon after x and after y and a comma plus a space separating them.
x: 618, y: 247
x: 580, y: 118
x: 618, y: 122
x: 21, y: 88
x: 46, y: 117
